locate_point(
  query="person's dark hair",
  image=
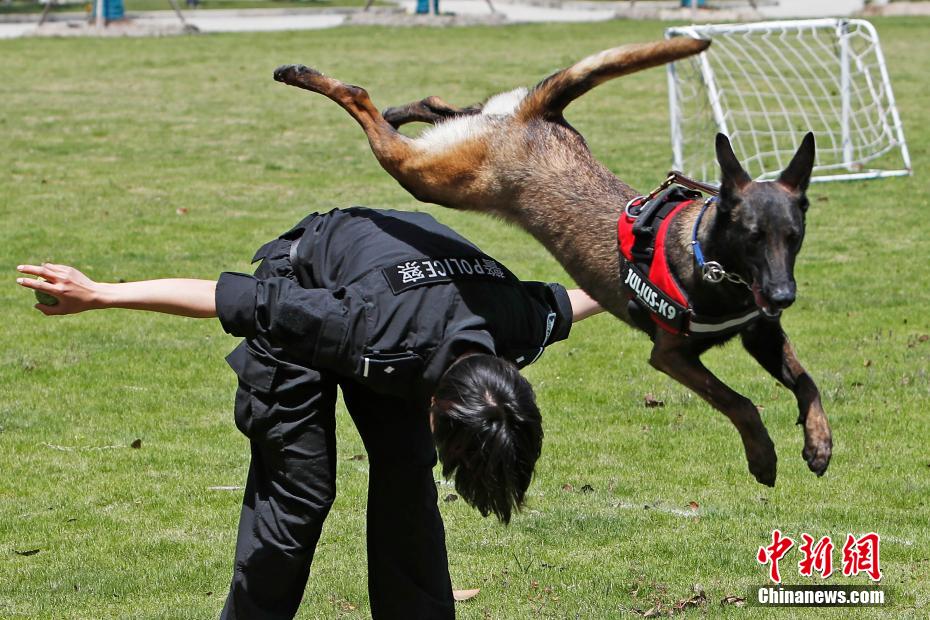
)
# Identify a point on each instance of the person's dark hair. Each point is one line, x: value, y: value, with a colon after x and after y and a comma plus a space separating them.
x: 488, y: 432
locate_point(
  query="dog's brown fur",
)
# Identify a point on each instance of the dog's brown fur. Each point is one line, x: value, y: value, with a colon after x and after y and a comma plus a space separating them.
x: 531, y: 167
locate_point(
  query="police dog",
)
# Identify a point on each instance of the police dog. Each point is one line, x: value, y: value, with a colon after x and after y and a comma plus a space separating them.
x: 516, y: 157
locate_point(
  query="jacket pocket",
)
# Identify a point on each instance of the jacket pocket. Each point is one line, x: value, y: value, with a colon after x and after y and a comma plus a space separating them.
x: 254, y: 412
x: 254, y: 415
x: 254, y: 368
x: 390, y: 373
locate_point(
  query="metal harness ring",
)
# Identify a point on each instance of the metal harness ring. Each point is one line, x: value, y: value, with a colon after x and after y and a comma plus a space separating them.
x: 713, y: 272
x: 630, y: 206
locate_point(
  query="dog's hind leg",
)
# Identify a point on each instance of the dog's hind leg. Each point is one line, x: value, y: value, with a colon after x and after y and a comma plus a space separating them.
x: 550, y: 97
x: 445, y: 176
x: 672, y: 355
x: 430, y: 110
x: 390, y: 147
x: 767, y: 342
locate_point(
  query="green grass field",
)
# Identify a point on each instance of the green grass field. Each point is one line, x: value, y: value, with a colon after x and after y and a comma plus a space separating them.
x: 148, y: 158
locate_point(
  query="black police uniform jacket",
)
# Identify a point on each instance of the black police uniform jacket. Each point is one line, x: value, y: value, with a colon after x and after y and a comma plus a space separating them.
x: 387, y: 298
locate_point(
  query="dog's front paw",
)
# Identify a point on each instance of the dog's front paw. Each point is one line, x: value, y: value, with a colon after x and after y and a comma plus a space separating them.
x: 763, y: 462
x: 294, y: 74
x: 818, y: 442
x: 817, y: 453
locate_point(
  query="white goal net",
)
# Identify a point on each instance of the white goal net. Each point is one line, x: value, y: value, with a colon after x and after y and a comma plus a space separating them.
x: 766, y: 84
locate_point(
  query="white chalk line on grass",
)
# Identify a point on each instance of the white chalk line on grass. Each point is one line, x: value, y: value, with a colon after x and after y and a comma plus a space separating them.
x: 678, y: 512
x: 80, y: 448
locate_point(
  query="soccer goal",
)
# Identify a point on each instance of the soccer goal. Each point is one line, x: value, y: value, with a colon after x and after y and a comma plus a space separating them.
x: 766, y: 84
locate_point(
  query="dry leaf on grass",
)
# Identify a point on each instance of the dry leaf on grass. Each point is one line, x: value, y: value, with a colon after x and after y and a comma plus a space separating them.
x: 697, y: 600
x: 652, y: 401
x: 464, y: 595
x: 343, y: 605
x: 732, y: 599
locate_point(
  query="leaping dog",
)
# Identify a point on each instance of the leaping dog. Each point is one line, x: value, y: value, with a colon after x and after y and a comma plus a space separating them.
x: 728, y: 264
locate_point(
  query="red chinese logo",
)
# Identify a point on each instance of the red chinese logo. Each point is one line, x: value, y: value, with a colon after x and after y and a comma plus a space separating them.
x: 774, y: 552
x: 860, y: 555
x: 817, y: 557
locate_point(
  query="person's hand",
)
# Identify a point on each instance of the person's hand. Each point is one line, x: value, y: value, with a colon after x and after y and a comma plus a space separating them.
x: 75, y: 291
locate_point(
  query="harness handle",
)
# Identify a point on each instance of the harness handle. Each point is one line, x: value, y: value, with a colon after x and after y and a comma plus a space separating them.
x: 674, y: 176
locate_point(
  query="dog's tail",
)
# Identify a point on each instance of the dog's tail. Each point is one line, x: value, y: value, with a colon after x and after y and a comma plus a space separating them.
x: 550, y: 97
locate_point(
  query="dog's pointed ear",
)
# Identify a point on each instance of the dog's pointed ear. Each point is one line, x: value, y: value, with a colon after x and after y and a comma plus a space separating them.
x: 733, y: 177
x: 797, y: 176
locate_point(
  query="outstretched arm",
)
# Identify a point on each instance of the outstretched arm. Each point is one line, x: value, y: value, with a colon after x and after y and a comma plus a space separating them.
x: 582, y: 305
x: 308, y: 323
x: 76, y: 293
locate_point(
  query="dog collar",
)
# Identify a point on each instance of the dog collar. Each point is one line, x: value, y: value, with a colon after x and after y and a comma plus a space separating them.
x: 711, y: 271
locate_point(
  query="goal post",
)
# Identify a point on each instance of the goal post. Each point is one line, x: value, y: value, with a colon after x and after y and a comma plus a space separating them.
x: 766, y: 84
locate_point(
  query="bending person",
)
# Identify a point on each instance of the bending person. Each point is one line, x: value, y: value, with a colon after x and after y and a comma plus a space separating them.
x: 423, y: 333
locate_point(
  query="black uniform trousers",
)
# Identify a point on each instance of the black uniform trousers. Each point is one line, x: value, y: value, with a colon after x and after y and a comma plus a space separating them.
x: 291, y: 486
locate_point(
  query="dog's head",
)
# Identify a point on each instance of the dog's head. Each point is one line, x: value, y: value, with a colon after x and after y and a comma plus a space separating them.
x: 764, y: 222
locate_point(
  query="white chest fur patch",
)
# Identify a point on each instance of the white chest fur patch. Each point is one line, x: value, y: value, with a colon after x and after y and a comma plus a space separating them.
x: 455, y: 131
x: 504, y: 103
x: 464, y: 128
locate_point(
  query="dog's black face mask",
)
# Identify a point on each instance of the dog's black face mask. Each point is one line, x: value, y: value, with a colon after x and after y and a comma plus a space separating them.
x: 764, y: 222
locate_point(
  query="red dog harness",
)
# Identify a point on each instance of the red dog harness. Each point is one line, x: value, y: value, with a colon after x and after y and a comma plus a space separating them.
x: 644, y: 270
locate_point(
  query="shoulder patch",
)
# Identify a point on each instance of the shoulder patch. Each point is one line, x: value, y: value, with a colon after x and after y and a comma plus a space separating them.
x: 424, y: 271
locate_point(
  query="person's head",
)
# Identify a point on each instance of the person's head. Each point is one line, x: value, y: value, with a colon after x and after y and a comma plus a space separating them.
x: 488, y: 432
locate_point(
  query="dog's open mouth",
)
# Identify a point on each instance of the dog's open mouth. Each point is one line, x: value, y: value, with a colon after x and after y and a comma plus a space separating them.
x: 767, y: 308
